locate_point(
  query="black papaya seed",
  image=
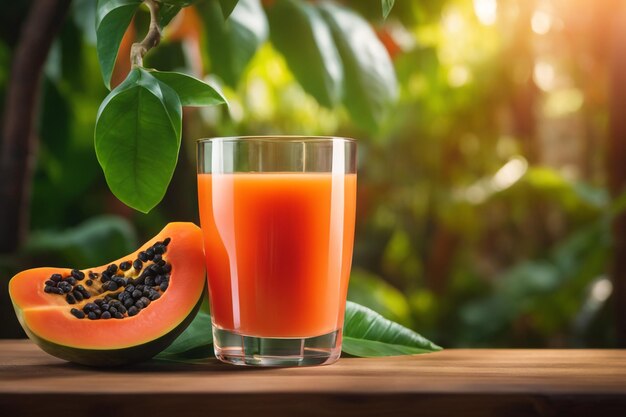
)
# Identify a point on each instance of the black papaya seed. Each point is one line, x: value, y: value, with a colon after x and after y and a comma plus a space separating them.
x: 133, y: 311
x: 77, y: 313
x: 89, y: 282
x: 92, y: 316
x: 79, y: 275
x: 138, y: 264
x: 70, y: 299
x: 112, y: 269
x: 125, y: 266
x: 142, y: 256
x: 56, y: 277
x: 163, y: 286
x: 167, y: 241
x: 106, y: 315
x: 118, y: 315
x: 159, y: 249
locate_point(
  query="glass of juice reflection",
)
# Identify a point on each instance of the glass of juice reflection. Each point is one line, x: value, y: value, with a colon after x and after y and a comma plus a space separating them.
x: 277, y: 214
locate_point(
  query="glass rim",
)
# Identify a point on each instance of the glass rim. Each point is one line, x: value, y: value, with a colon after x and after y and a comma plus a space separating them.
x: 276, y: 138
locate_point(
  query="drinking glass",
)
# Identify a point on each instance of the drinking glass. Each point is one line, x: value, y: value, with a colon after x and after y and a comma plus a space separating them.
x: 277, y: 214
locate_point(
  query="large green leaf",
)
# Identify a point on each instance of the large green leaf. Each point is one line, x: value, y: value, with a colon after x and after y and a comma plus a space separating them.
x: 112, y: 19
x: 137, y: 138
x: 190, y: 90
x: 299, y: 32
x: 233, y: 42
x: 370, y: 80
x: 367, y: 333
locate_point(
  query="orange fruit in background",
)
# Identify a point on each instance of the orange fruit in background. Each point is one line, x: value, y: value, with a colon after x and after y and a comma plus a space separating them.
x: 186, y: 27
x: 122, y: 62
x: 386, y: 38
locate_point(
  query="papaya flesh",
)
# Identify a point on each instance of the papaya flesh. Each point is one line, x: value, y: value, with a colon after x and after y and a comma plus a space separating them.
x: 123, y: 312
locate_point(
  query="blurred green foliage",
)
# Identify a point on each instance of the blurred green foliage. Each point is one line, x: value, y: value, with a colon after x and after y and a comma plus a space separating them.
x: 483, y: 214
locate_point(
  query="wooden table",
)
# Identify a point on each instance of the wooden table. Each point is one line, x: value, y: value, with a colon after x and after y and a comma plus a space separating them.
x: 449, y: 383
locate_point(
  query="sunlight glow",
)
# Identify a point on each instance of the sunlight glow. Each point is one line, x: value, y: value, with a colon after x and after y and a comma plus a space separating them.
x: 601, y: 290
x: 486, y: 11
x: 458, y: 76
x: 453, y: 21
x: 541, y: 22
x: 509, y: 174
x: 544, y: 75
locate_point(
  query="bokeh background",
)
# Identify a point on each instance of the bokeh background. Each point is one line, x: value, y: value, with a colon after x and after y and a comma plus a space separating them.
x: 489, y: 210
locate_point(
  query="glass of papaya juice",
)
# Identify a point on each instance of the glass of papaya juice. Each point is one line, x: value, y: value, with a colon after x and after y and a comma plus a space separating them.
x: 277, y: 214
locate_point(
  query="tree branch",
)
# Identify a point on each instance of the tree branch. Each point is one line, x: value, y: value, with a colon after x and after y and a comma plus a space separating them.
x: 18, y: 147
x: 152, y: 39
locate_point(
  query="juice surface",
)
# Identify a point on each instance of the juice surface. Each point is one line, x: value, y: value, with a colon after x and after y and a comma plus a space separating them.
x: 278, y: 248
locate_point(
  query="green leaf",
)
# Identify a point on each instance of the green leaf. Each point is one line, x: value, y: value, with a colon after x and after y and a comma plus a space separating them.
x: 196, y: 337
x: 166, y: 13
x: 227, y: 7
x: 170, y: 8
x: 190, y: 90
x: 112, y: 19
x: 367, y: 333
x: 370, y: 80
x: 387, y: 6
x: 299, y: 32
x: 233, y: 43
x: 137, y: 138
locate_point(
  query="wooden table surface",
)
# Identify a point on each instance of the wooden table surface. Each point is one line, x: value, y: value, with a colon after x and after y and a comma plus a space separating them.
x: 449, y: 383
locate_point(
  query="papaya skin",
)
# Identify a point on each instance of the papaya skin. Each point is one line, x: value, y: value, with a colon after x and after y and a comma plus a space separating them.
x: 47, y: 320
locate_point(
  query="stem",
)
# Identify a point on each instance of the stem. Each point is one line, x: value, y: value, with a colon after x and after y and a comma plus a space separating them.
x: 18, y: 137
x: 152, y: 39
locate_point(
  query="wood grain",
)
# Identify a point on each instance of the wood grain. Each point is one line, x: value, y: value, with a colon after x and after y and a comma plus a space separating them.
x: 451, y: 382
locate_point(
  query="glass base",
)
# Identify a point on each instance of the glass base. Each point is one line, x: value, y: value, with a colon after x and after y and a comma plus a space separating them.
x: 238, y: 349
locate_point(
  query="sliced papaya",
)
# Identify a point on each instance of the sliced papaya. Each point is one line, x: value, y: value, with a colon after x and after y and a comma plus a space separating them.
x: 123, y: 312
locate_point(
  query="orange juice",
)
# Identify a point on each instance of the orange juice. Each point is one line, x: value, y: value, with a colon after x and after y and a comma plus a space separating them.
x: 278, y: 249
